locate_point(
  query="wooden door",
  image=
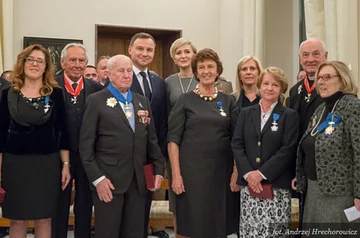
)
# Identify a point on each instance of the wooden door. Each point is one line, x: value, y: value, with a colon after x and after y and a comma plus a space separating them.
x: 114, y: 46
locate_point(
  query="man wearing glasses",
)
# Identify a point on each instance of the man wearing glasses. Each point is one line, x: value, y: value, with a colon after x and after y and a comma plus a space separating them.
x: 76, y: 89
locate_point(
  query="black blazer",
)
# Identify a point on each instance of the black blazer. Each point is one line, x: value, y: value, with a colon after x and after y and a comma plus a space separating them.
x: 90, y: 87
x: 158, y: 106
x: 271, y: 152
x: 3, y: 85
x: 38, y: 139
x: 297, y: 96
x: 108, y: 145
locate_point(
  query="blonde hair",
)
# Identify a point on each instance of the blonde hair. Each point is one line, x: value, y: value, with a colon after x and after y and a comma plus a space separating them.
x: 278, y: 74
x: 242, y: 61
x: 179, y: 43
x: 18, y: 75
x: 345, y: 75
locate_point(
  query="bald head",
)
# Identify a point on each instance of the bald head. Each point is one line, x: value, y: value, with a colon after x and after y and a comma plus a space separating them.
x: 312, y: 53
x: 120, y: 72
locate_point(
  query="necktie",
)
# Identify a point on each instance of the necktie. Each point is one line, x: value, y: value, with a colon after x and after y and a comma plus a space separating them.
x: 74, y: 85
x: 147, y: 92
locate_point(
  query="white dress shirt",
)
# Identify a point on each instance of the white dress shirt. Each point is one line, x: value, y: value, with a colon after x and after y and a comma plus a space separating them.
x: 140, y: 78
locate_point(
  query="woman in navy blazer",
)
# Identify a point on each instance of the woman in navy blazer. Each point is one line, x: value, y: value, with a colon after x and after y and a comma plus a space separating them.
x: 264, y: 147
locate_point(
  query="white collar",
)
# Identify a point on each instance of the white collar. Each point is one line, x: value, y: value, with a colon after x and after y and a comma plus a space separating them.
x: 137, y: 71
x: 70, y: 81
x: 271, y: 108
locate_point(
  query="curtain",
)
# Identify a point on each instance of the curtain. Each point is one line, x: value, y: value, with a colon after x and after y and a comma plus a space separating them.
x: 336, y: 23
x: 6, y: 34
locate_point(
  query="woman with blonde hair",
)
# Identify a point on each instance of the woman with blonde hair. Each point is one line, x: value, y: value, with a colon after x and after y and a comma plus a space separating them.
x: 33, y: 143
x: 182, y: 51
x: 247, y: 73
x: 264, y: 148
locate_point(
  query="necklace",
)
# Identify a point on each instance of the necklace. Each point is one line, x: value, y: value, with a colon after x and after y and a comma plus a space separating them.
x: 206, y: 98
x: 181, y: 85
x: 313, y: 131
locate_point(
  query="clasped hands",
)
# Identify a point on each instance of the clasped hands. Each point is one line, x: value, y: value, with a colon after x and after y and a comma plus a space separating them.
x: 105, y: 187
x: 254, y: 179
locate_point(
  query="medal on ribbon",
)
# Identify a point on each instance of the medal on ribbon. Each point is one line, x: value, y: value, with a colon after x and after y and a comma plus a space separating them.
x: 222, y: 112
x: 121, y: 98
x: 75, y: 93
x: 274, y: 126
x: 329, y: 125
x: 308, y: 89
x: 47, y: 105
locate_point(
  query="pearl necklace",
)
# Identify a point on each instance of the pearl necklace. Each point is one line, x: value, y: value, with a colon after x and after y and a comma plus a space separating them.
x: 206, y: 98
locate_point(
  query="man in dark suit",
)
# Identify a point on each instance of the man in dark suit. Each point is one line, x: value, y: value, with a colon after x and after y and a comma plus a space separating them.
x: 141, y: 51
x: 103, y: 71
x: 76, y: 89
x: 117, y: 137
x: 3, y: 85
x: 303, y: 96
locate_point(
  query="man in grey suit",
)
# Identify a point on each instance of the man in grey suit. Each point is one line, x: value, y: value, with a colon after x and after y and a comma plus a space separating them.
x: 116, y: 137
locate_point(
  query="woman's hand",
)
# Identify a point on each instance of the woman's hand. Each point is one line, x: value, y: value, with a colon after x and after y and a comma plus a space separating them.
x: 234, y: 176
x: 65, y: 176
x: 178, y: 185
x: 293, y: 186
x: 254, y: 181
x: 357, y: 203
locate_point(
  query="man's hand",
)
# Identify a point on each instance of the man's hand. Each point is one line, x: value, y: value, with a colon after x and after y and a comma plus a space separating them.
x: 103, y: 190
x: 158, y: 181
x: 293, y: 186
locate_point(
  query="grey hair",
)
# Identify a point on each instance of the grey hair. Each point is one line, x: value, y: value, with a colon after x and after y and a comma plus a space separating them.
x: 323, y: 46
x: 114, y: 60
x: 64, y: 51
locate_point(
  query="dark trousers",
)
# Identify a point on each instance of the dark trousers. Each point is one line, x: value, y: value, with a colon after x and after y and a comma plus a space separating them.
x: 82, y: 204
x: 149, y: 196
x: 123, y: 217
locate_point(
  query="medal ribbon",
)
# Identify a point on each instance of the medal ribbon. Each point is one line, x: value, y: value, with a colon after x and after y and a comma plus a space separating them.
x: 307, y: 86
x: 276, y: 117
x: 219, y: 104
x: 119, y: 96
x: 70, y: 89
x: 329, y: 118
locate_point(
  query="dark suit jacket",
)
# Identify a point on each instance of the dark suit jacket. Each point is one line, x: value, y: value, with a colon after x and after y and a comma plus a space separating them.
x: 338, y: 155
x: 3, y: 85
x: 270, y: 152
x: 108, y: 145
x: 90, y: 87
x: 158, y: 106
x: 296, y: 96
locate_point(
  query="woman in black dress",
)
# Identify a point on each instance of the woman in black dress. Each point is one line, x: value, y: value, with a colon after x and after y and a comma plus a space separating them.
x: 200, y: 131
x: 33, y: 142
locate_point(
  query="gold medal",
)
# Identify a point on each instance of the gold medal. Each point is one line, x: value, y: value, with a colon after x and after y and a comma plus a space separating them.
x: 127, y: 110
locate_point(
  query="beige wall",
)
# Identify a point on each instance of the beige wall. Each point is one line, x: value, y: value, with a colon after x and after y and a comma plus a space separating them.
x: 207, y: 23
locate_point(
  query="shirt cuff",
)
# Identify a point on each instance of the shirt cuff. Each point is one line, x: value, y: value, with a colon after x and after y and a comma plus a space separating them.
x: 262, y: 175
x: 96, y: 182
x: 160, y: 176
x: 246, y: 175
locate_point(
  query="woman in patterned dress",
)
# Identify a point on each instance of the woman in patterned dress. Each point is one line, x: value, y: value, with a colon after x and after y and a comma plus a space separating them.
x: 264, y: 147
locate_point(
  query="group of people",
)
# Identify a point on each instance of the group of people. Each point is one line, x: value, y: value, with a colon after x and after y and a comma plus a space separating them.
x: 222, y: 149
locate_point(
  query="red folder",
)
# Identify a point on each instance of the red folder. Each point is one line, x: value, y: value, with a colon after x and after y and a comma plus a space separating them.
x: 2, y: 195
x: 266, y: 193
x: 149, y: 176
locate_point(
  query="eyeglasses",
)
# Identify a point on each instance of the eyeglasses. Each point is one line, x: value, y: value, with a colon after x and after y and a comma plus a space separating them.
x: 326, y: 77
x: 90, y: 75
x: 32, y: 60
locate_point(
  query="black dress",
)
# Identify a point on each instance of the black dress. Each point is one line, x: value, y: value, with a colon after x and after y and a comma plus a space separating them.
x: 207, y: 208
x: 30, y: 140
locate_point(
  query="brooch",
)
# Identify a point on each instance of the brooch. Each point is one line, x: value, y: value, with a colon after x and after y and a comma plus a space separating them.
x: 111, y: 102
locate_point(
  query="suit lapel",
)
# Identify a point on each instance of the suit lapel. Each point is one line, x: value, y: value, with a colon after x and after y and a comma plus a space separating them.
x: 136, y: 85
x: 279, y: 109
x: 87, y: 87
x: 117, y: 108
x: 256, y: 119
